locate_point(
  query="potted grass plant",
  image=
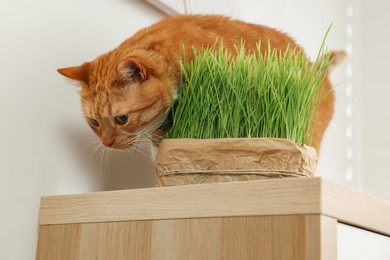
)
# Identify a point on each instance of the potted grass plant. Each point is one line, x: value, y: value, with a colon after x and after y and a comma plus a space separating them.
x: 240, y: 118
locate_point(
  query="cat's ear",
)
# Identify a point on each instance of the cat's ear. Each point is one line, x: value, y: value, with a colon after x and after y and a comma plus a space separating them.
x: 131, y: 70
x: 79, y: 73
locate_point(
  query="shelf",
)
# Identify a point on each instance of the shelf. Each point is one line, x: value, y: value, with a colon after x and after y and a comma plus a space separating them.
x: 275, y: 219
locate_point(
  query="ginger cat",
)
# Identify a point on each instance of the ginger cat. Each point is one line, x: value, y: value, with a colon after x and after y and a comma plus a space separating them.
x: 127, y: 91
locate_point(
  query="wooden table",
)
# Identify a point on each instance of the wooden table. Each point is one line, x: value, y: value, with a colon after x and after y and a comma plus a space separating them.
x: 273, y: 219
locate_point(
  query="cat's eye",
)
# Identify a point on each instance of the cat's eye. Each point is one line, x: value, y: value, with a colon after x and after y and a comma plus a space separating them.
x: 93, y: 121
x: 121, y: 119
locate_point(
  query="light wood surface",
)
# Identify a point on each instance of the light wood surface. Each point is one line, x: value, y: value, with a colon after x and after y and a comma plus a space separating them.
x: 355, y: 208
x: 257, y: 237
x: 328, y: 238
x: 252, y: 198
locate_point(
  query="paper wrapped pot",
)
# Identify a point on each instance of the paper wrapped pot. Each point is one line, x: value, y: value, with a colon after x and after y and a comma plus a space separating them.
x: 194, y: 161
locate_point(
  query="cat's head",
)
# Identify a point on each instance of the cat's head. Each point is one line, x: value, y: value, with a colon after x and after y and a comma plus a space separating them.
x: 122, y: 101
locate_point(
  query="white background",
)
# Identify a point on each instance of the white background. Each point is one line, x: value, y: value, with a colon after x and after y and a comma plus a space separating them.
x: 44, y: 140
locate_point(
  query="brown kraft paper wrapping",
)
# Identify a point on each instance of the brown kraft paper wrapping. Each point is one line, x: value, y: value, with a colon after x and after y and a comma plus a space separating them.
x: 194, y: 161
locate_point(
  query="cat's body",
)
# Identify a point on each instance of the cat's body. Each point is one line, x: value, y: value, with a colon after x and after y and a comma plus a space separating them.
x: 126, y: 92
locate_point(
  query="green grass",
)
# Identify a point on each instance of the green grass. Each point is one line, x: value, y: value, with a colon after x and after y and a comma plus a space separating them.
x: 252, y: 95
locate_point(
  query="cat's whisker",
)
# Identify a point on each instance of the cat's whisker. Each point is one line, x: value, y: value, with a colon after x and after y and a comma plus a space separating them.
x: 140, y: 143
x: 91, y: 142
x: 97, y: 158
x: 101, y: 164
x: 91, y: 147
x: 108, y: 172
x: 153, y: 137
x: 136, y: 147
x: 157, y: 124
x: 140, y: 152
x: 106, y: 168
x: 94, y: 153
x: 143, y: 144
x: 143, y: 140
x: 129, y: 134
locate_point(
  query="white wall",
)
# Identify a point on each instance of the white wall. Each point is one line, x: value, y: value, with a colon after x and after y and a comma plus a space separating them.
x: 42, y: 133
x: 375, y: 101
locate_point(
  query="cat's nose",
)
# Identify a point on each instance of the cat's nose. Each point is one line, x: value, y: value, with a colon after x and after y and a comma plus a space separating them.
x: 108, y: 142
